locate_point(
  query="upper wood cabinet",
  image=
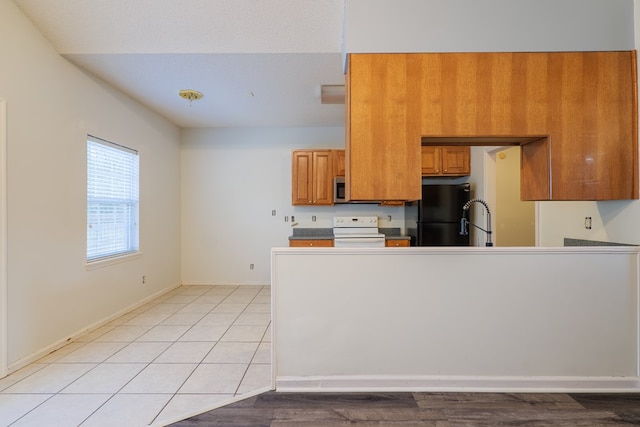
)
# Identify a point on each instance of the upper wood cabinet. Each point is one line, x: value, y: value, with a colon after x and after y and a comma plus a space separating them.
x: 446, y: 161
x: 338, y: 162
x: 382, y: 141
x: 576, y: 113
x: 312, y: 177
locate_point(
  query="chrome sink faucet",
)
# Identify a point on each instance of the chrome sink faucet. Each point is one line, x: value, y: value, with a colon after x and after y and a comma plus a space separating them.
x: 464, y: 222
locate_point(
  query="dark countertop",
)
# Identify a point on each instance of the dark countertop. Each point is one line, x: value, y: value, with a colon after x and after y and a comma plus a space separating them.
x: 581, y: 242
x: 393, y: 234
x: 312, y: 234
x: 327, y: 234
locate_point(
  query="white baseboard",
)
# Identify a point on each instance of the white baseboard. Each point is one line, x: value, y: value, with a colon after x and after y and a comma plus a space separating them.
x: 458, y: 384
x: 203, y: 283
x: 59, y: 344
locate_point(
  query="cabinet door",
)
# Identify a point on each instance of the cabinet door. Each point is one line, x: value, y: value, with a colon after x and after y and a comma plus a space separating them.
x: 338, y: 162
x: 456, y: 161
x: 323, y: 177
x: 582, y: 105
x: 446, y: 161
x: 431, y: 160
x: 302, y: 178
x: 312, y: 177
x: 382, y: 129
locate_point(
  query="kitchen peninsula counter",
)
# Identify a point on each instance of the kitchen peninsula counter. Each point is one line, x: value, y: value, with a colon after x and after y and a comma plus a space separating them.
x: 456, y: 318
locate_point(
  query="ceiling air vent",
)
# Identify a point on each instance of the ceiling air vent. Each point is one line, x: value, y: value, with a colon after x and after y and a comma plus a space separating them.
x: 332, y: 94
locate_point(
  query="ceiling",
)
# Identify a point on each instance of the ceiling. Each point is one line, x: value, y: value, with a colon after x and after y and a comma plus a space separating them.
x: 257, y: 62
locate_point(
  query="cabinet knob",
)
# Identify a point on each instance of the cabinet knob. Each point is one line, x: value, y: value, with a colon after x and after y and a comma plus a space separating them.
x: 310, y: 244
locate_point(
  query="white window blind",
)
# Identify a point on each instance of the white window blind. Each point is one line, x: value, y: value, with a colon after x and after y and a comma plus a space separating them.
x: 112, y: 199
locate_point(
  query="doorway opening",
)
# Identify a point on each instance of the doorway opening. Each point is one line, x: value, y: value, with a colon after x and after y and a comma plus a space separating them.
x: 3, y: 241
x: 514, y: 221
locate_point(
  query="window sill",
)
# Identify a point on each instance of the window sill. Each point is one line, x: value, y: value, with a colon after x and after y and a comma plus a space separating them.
x: 94, y: 265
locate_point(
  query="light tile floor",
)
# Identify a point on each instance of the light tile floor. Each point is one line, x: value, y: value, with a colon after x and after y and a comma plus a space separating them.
x: 177, y: 355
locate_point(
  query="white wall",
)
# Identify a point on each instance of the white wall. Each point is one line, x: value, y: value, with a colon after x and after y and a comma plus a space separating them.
x: 450, y: 318
x: 232, y: 179
x: 487, y: 26
x: 514, y: 218
x: 51, y: 106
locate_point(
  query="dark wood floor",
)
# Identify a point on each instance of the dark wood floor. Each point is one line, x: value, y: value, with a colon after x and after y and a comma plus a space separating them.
x: 425, y: 409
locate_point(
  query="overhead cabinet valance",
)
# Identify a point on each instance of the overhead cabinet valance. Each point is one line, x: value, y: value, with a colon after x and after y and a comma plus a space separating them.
x: 574, y: 113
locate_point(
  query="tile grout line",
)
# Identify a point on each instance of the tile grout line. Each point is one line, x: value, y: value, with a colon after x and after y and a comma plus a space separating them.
x: 254, y: 353
x: 97, y: 364
x: 196, y: 365
x: 33, y: 409
x: 135, y: 376
x: 209, y: 352
x: 57, y: 361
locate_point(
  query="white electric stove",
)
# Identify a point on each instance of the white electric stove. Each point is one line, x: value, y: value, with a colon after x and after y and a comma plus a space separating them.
x: 357, y: 232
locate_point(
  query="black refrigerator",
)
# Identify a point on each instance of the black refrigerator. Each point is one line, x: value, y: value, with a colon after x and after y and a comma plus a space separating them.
x: 435, y: 220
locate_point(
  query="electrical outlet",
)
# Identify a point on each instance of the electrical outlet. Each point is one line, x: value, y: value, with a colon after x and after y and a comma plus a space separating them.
x: 587, y: 222
x: 293, y: 218
x: 273, y: 212
x: 286, y: 219
x: 144, y: 279
x: 250, y: 266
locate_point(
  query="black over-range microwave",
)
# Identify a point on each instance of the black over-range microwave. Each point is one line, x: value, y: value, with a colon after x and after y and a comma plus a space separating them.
x: 339, y: 195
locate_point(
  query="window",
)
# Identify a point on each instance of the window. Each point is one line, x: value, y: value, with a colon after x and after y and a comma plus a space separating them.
x: 112, y: 200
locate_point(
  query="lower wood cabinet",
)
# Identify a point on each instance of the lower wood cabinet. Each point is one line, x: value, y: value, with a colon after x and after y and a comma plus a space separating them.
x: 397, y: 243
x: 317, y: 243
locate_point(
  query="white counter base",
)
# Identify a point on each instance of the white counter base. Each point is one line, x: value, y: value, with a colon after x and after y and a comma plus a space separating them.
x: 452, y: 319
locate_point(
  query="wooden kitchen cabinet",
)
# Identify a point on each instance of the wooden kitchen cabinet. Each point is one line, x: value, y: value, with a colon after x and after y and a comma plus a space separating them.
x: 338, y: 162
x: 315, y: 243
x: 446, y: 161
x: 573, y: 113
x: 312, y: 177
x: 397, y: 243
x: 382, y: 142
